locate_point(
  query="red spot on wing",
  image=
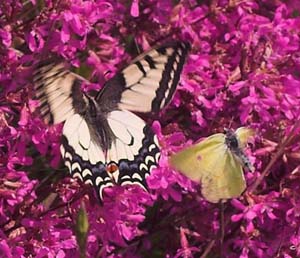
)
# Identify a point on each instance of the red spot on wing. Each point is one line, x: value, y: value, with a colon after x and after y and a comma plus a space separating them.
x: 112, y: 167
x: 199, y: 157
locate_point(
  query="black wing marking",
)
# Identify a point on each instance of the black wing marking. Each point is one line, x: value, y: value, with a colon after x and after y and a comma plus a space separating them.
x: 128, y: 161
x: 134, y: 150
x: 136, y: 172
x: 148, y: 83
x: 59, y: 93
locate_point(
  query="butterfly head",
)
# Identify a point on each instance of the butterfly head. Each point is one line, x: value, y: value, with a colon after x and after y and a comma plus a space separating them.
x: 231, y: 140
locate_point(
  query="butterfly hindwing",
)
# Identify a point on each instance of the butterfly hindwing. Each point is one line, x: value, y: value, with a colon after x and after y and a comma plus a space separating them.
x: 224, y: 179
x: 136, y: 171
x: 191, y: 160
x: 133, y: 153
x: 134, y: 150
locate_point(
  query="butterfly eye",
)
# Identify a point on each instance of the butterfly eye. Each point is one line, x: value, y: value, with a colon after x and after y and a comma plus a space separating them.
x: 112, y: 167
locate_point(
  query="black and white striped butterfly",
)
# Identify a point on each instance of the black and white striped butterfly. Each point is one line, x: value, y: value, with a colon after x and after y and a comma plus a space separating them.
x: 103, y: 142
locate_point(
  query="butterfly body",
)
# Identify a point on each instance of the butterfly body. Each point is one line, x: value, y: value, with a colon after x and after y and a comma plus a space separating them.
x: 104, y: 142
x: 217, y: 162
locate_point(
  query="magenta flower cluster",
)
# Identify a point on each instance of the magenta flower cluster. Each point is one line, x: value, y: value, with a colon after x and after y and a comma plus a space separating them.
x: 243, y: 70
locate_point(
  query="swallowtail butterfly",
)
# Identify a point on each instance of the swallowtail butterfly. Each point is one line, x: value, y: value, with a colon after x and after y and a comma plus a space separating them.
x: 104, y: 142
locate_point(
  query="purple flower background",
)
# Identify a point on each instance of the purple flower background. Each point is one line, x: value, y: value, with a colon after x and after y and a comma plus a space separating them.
x: 243, y: 70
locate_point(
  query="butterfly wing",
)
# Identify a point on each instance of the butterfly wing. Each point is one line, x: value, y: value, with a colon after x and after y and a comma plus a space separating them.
x: 243, y: 135
x: 149, y: 82
x: 193, y: 159
x: 224, y: 180
x: 83, y: 155
x: 134, y: 150
x: 61, y: 100
x: 211, y: 163
x: 58, y: 92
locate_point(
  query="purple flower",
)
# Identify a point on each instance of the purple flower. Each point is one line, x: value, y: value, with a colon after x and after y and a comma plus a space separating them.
x: 134, y: 11
x: 5, y: 36
x: 243, y: 70
x: 185, y: 250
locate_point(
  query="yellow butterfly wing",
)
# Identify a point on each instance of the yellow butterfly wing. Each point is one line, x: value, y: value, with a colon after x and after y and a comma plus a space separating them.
x: 243, y: 134
x: 211, y: 163
x: 193, y: 159
x: 225, y: 179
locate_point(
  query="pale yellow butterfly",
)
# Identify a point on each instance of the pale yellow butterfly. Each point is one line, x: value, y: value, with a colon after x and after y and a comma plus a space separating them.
x: 217, y: 163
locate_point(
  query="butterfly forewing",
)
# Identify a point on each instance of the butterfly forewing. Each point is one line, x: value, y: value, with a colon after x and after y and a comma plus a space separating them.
x: 104, y: 143
x: 58, y: 92
x: 195, y: 160
x: 149, y: 82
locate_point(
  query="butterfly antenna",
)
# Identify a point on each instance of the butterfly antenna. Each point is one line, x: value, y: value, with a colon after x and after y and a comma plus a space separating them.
x: 230, y: 122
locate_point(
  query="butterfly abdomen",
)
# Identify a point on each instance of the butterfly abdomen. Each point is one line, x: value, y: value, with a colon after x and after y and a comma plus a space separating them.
x: 246, y: 162
x: 97, y: 123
